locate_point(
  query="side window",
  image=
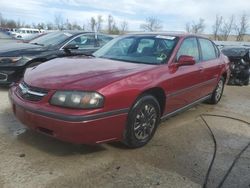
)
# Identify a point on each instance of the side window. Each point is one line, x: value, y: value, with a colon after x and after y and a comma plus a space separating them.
x: 207, y: 49
x: 189, y: 47
x: 84, y: 41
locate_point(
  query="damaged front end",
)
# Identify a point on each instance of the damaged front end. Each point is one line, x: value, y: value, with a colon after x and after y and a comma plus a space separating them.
x: 239, y: 65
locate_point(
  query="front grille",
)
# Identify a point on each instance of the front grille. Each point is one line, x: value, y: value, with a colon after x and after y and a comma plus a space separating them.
x: 31, y: 93
x: 3, y: 77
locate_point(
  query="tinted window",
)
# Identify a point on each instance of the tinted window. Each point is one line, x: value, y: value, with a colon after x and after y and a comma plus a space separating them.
x: 189, y: 47
x: 207, y: 49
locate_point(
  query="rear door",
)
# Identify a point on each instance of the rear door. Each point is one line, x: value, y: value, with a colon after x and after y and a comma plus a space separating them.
x: 210, y: 65
x: 185, y: 80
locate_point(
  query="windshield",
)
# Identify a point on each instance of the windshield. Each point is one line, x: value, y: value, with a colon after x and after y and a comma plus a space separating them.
x: 51, y: 39
x: 139, y: 49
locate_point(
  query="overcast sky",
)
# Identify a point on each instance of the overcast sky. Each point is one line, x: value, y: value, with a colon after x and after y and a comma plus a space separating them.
x: 174, y: 14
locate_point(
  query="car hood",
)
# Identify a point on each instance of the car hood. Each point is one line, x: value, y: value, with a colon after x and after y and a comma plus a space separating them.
x: 80, y: 73
x: 19, y: 49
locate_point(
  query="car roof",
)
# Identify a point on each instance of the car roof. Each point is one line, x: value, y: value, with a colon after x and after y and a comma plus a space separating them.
x: 77, y: 32
x: 165, y: 33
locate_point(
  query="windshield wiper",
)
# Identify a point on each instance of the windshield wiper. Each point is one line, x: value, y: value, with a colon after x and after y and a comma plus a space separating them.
x: 35, y: 43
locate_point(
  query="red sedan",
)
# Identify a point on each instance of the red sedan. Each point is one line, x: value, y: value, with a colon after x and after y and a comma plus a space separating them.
x: 123, y: 91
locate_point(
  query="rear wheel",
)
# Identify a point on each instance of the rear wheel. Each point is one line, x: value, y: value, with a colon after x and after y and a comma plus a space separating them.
x: 217, y: 93
x: 143, y: 120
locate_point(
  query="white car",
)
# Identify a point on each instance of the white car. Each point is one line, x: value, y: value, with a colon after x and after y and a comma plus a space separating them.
x: 26, y: 33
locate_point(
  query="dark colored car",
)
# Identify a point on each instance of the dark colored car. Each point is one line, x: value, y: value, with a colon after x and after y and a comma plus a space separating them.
x: 122, y: 93
x: 239, y: 57
x: 16, y: 57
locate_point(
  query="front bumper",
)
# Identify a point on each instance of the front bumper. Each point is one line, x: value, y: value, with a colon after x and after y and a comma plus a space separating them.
x: 89, y: 129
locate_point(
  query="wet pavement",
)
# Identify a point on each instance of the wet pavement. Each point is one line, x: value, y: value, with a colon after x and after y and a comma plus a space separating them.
x: 178, y: 156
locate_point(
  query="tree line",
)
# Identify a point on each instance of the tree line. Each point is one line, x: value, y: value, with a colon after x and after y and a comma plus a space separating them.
x: 221, y: 29
x: 94, y: 24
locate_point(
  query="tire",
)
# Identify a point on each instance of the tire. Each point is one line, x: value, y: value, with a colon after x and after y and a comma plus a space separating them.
x: 218, y: 92
x: 142, y: 122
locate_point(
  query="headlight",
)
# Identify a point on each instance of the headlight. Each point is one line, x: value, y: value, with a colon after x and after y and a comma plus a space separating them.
x: 10, y: 59
x: 77, y: 99
x: 14, y: 61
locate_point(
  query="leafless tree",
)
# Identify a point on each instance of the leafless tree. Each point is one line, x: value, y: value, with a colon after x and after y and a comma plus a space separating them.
x: 110, y: 23
x: 196, y: 27
x: 1, y: 18
x: 188, y: 28
x: 226, y: 28
x: 99, y: 23
x: 241, y: 29
x: 68, y: 25
x: 92, y: 24
x: 96, y: 23
x: 124, y: 27
x: 40, y: 26
x: 152, y: 24
x: 112, y: 27
x: 75, y: 26
x: 49, y: 26
x: 217, y: 26
x: 59, y: 21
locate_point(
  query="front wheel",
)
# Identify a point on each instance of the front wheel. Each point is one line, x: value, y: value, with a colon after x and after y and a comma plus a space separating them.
x: 142, y: 122
x: 217, y: 93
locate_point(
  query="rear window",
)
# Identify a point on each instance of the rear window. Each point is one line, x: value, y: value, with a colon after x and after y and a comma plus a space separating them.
x: 207, y: 50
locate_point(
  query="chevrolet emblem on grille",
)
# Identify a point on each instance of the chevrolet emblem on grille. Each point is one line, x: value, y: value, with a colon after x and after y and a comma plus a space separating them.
x: 25, y: 90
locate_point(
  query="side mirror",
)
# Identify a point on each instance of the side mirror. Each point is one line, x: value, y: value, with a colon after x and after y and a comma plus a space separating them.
x: 186, y: 60
x: 71, y: 47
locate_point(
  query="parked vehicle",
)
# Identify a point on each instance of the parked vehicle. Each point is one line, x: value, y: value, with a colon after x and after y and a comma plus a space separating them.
x: 16, y: 57
x: 26, y: 33
x: 239, y: 64
x: 124, y: 91
x: 12, y: 31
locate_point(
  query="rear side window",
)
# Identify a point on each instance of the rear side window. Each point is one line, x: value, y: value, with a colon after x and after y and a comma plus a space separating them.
x: 189, y: 47
x: 207, y: 50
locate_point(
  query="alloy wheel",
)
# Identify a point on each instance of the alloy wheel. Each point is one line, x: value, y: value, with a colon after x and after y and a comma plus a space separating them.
x: 145, y: 122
